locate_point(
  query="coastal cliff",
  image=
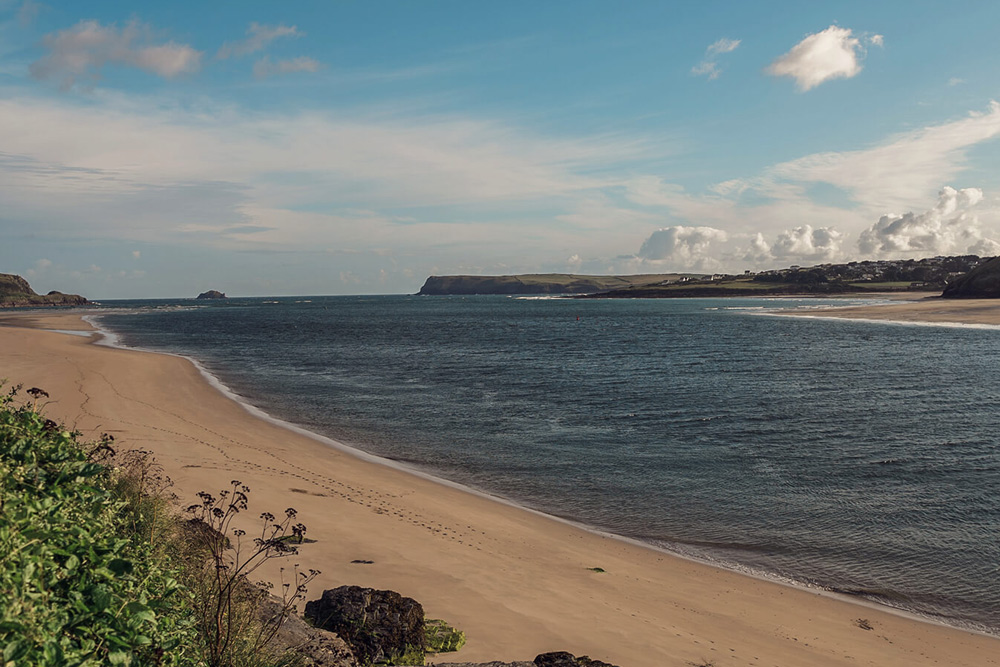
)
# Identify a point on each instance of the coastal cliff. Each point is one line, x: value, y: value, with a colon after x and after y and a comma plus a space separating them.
x: 539, y: 283
x: 16, y: 292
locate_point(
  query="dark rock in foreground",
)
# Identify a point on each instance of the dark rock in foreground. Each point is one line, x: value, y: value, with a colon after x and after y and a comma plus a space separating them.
x: 554, y: 659
x: 16, y: 292
x: 982, y: 282
x: 565, y: 659
x: 377, y: 625
x: 212, y: 294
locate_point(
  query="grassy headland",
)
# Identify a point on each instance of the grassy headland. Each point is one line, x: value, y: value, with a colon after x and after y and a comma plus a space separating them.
x: 15, y: 291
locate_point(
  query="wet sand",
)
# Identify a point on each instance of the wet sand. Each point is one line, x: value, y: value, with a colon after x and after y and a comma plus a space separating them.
x: 929, y: 309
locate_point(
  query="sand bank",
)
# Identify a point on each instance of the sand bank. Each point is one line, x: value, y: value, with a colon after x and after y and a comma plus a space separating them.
x: 516, y: 582
x: 936, y: 310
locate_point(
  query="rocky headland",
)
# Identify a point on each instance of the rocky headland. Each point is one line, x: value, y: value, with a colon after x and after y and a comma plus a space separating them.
x: 15, y: 292
x: 895, y: 275
x: 540, y: 283
x: 982, y: 282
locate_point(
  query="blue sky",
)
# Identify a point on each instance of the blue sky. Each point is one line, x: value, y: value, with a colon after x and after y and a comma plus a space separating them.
x: 161, y: 149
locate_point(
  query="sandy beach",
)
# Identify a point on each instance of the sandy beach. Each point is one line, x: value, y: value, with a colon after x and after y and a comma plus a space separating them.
x: 517, y: 582
x: 927, y: 309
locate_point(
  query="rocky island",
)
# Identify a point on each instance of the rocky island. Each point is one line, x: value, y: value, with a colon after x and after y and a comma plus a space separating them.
x: 212, y: 294
x: 15, y: 292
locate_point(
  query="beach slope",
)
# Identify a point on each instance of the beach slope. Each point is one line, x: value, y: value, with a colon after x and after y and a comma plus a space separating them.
x: 518, y: 583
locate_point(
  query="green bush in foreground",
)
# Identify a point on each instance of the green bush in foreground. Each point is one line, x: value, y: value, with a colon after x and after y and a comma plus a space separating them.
x: 84, y: 581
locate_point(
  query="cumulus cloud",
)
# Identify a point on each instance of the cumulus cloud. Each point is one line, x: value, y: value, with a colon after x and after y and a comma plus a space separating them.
x: 264, y: 68
x: 949, y: 227
x: 807, y: 244
x: 258, y: 37
x: 83, y: 50
x: 833, y: 53
x: 682, y: 247
x: 758, y: 251
x: 708, y: 66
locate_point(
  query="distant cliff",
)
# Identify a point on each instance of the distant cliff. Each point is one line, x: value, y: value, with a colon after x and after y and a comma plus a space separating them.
x: 16, y: 292
x: 539, y: 283
x: 982, y: 282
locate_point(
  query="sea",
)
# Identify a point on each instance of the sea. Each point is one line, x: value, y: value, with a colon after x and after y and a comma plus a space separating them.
x: 857, y: 457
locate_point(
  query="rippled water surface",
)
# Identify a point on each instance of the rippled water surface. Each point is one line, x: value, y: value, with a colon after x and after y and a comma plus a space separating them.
x: 857, y: 456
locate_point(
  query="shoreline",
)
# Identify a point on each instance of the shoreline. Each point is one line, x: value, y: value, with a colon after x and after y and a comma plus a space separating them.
x: 507, y: 527
x: 110, y: 339
x: 933, y: 311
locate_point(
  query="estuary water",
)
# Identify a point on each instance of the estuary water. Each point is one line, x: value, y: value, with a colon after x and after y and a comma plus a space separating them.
x: 855, y: 456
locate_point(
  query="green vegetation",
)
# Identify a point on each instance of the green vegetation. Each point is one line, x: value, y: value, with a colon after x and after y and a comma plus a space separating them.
x: 441, y: 637
x: 85, y: 578
x: 97, y: 570
x: 739, y: 284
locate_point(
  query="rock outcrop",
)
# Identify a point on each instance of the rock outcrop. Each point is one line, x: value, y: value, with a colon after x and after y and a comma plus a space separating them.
x: 212, y: 294
x: 16, y: 292
x: 982, y: 282
x: 312, y: 647
x: 377, y: 625
x: 565, y: 659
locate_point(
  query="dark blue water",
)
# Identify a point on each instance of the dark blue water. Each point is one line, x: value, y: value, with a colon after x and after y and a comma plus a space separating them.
x: 857, y: 456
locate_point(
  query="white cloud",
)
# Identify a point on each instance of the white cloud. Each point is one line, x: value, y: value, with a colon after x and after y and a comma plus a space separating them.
x: 147, y: 170
x: 900, y: 171
x: 723, y: 45
x: 955, y: 81
x: 758, y: 252
x: 831, y: 54
x: 984, y: 248
x: 807, y: 244
x: 39, y: 267
x: 82, y: 51
x: 264, y: 68
x: 708, y: 66
x: 682, y: 247
x: 258, y: 38
x: 947, y: 228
